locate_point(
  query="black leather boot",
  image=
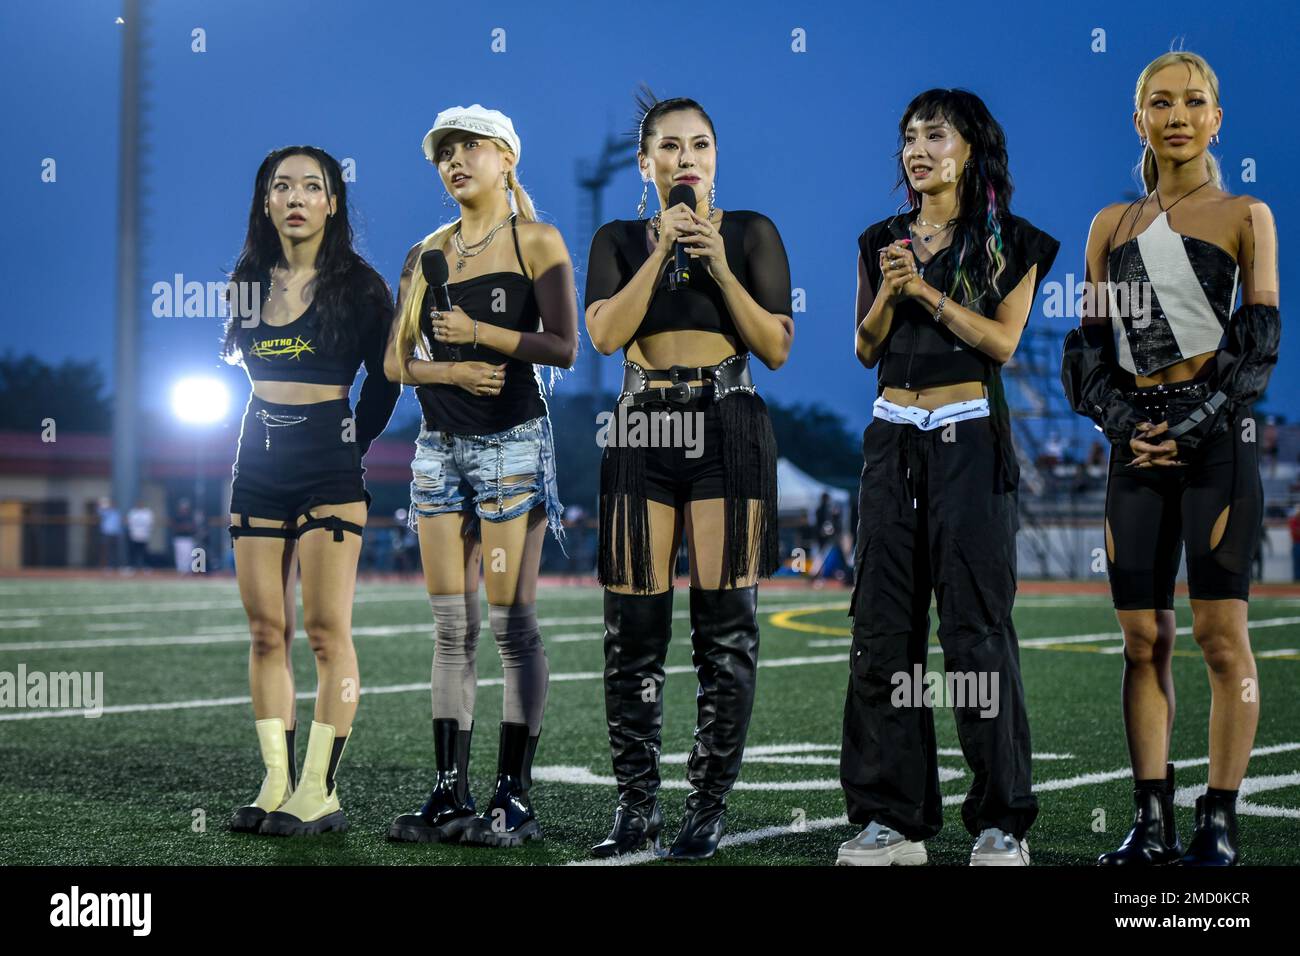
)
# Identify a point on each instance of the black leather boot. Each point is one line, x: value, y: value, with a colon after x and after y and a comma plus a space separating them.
x: 724, y: 641
x: 449, y: 811
x: 509, y: 819
x: 1153, y: 838
x: 637, y: 631
x: 1215, y: 841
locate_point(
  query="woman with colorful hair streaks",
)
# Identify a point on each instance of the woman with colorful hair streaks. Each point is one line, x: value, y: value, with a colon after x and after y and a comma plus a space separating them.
x: 944, y: 292
x: 1169, y: 373
x: 306, y: 311
x: 686, y: 334
x: 484, y: 489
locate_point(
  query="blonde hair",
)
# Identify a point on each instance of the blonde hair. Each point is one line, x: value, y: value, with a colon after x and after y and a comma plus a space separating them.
x: 407, y: 340
x: 1147, y: 168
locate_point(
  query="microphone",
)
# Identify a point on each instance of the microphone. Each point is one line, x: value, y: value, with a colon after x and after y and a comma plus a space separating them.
x: 680, y: 274
x: 434, y: 266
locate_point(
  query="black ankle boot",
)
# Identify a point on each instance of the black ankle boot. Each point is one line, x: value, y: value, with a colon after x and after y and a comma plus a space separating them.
x: 508, y: 819
x: 1215, y: 841
x: 724, y: 641
x: 1153, y: 838
x: 449, y: 811
x: 637, y: 631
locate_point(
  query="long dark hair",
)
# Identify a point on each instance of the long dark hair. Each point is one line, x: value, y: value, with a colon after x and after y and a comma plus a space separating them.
x: 346, y: 289
x: 650, y: 109
x: 983, y: 192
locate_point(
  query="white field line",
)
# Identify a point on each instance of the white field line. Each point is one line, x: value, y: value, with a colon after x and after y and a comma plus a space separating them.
x: 388, y: 689
x: 238, y: 634
x: 827, y: 823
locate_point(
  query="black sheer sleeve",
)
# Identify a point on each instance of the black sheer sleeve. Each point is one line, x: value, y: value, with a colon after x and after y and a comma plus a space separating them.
x: 869, y: 244
x: 606, y: 267
x: 767, y: 265
x: 378, y: 395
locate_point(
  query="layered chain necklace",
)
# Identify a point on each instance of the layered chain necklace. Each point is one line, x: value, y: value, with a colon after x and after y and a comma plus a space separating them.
x: 464, y: 252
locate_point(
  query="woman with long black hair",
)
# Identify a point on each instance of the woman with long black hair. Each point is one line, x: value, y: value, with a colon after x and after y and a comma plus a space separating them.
x: 484, y: 488
x: 944, y: 292
x: 709, y: 467
x: 1169, y: 373
x: 306, y: 311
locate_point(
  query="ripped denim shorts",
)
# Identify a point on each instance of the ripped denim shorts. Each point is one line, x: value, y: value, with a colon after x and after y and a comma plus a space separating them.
x: 452, y: 472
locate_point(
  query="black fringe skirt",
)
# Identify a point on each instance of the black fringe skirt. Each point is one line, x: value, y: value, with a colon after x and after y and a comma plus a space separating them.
x: 748, y: 450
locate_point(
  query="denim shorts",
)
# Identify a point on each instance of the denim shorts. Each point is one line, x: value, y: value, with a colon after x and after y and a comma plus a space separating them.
x: 452, y: 472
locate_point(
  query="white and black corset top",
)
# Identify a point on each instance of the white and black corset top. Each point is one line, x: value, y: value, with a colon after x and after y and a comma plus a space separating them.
x: 1170, y: 297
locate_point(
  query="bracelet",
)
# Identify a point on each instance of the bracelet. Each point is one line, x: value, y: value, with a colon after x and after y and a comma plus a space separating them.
x: 943, y: 300
x: 476, y: 333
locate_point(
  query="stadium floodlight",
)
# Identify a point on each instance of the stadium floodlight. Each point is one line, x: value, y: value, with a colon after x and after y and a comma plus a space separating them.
x: 200, y: 401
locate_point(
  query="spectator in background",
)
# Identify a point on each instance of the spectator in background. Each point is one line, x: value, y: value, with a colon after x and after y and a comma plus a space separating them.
x: 139, y: 529
x: 110, y: 534
x: 183, y: 530
x: 1294, y: 524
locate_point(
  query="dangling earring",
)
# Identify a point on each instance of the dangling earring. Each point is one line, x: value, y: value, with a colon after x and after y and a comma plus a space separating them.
x: 1215, y: 139
x: 645, y: 191
x: 447, y: 200
x: 1143, y: 141
x: 713, y: 192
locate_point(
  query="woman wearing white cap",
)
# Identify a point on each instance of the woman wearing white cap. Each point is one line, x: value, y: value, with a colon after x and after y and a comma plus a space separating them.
x: 484, y: 469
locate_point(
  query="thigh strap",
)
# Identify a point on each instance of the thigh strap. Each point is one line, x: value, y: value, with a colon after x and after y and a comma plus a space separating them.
x: 246, y: 530
x: 333, y: 522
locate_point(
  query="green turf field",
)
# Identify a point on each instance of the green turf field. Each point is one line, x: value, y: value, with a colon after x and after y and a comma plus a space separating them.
x: 177, y: 735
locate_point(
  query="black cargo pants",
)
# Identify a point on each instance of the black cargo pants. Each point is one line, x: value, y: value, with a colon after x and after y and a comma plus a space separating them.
x: 934, y: 516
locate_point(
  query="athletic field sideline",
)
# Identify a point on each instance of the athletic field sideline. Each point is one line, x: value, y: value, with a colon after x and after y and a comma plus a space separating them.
x: 154, y: 778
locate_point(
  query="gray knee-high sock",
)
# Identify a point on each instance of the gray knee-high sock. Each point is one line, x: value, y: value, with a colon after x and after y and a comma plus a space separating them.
x: 455, y: 667
x: 523, y: 661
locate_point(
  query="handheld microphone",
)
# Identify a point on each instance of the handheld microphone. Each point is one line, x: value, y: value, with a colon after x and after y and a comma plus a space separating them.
x: 680, y: 274
x: 434, y: 266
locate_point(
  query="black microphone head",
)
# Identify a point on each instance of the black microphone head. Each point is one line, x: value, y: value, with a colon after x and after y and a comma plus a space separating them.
x: 434, y: 266
x: 680, y: 193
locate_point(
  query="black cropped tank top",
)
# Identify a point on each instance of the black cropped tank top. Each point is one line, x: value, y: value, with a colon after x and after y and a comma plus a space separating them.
x: 920, y: 352
x: 505, y: 299
x: 755, y: 254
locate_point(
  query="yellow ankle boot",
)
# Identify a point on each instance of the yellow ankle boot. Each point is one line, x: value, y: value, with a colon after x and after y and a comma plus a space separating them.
x: 314, y: 807
x: 276, y: 785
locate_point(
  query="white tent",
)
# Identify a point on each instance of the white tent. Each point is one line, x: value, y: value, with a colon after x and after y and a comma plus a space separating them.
x: 797, y: 492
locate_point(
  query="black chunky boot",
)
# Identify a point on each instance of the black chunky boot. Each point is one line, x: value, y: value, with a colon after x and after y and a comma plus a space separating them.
x: 1215, y: 841
x: 509, y: 820
x: 724, y: 640
x: 637, y: 630
x: 449, y: 811
x: 1153, y: 839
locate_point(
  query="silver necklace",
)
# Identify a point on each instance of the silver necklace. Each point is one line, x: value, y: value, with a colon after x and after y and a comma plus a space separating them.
x: 934, y: 225
x: 464, y: 252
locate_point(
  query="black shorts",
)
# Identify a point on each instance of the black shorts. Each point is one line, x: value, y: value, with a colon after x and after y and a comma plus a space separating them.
x: 1151, y: 513
x: 690, y: 469
x: 294, y: 457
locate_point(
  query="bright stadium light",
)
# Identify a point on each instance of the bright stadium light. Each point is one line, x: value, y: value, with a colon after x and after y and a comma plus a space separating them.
x: 200, y: 401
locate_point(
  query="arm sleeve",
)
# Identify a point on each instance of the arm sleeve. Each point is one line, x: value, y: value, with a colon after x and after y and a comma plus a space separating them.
x: 378, y: 395
x: 605, y: 273
x: 1090, y: 377
x: 1027, y: 246
x: 767, y: 266
x: 1242, y: 370
x: 869, y: 244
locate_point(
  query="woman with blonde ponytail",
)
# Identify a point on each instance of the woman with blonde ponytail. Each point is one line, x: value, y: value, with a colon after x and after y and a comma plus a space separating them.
x: 1169, y: 372
x: 484, y: 468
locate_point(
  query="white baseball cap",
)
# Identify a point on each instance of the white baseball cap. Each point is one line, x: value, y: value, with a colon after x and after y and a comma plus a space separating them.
x: 472, y: 119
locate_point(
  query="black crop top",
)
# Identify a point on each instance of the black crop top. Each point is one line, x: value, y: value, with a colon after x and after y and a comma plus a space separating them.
x: 920, y: 352
x: 755, y: 255
x: 293, y: 353
x: 505, y: 299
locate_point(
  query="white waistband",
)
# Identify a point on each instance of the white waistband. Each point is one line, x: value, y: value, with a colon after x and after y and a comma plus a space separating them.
x: 926, y: 419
